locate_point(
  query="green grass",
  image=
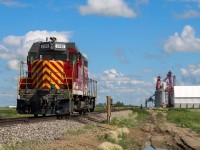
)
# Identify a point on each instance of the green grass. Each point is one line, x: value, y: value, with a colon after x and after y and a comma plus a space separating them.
x: 160, y: 109
x: 136, y: 118
x: 124, y: 122
x: 159, y: 116
x: 104, y: 109
x: 30, y: 145
x: 78, y: 131
x: 10, y: 113
x: 185, y: 118
x: 100, y: 109
x: 122, y: 140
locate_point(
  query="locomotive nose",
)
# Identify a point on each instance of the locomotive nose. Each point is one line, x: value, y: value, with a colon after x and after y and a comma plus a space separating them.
x: 47, y: 74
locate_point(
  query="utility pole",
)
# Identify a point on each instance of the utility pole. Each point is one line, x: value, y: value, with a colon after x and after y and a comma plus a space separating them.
x: 108, y: 109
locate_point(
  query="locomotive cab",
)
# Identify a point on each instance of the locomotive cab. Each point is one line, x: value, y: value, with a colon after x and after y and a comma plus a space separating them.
x: 56, y: 81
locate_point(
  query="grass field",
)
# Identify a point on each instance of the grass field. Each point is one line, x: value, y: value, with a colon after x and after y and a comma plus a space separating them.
x: 189, y: 118
x: 6, y: 112
x: 136, y: 118
x: 104, y: 109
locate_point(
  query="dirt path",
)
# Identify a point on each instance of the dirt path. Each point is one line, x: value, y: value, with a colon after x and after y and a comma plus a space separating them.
x: 165, y: 135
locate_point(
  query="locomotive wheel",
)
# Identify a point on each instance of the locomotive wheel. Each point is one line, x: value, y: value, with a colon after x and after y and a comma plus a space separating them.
x: 84, y: 112
x: 92, y: 110
x: 36, y: 115
x: 58, y: 117
x: 67, y: 116
x: 80, y: 112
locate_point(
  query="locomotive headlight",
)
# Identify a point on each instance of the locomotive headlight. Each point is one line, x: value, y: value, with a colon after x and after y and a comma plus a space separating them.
x: 21, y: 92
x: 27, y: 91
x: 53, y: 86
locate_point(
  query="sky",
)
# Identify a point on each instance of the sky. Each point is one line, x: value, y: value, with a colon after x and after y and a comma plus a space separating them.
x: 128, y: 42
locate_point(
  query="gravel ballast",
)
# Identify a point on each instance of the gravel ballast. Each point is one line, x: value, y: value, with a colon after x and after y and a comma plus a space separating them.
x: 45, y: 131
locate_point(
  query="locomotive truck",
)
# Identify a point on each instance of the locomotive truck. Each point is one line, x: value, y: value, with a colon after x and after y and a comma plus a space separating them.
x: 54, y: 80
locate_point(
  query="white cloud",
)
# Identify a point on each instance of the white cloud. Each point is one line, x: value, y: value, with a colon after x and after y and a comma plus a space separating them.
x: 185, y: 42
x: 12, y: 3
x: 13, y: 64
x: 15, y: 48
x: 195, y: 1
x: 139, y: 2
x: 13, y: 79
x: 8, y: 94
x: 107, y: 8
x: 189, y: 14
x: 191, y: 75
x: 122, y: 87
x: 120, y: 53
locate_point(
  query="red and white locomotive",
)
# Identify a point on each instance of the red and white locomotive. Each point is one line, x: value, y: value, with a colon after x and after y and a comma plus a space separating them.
x: 56, y: 80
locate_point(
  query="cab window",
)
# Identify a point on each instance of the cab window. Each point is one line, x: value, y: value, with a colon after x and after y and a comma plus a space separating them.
x: 53, y: 56
x: 79, y: 55
x: 33, y: 56
x: 85, y: 63
x: 72, y: 57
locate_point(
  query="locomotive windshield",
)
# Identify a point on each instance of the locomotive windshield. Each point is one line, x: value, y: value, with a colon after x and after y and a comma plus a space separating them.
x: 50, y: 56
x: 54, y: 56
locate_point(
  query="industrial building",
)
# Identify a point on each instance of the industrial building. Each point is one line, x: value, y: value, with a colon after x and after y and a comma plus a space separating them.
x: 164, y: 93
x: 186, y: 97
x: 167, y: 94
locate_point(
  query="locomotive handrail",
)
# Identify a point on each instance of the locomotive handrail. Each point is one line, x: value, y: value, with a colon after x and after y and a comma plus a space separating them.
x: 67, y: 85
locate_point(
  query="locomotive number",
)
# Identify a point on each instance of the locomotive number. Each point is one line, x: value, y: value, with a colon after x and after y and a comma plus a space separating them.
x: 59, y: 46
x: 45, y: 46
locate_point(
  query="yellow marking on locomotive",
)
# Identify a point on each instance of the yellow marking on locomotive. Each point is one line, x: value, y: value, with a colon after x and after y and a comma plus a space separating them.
x: 58, y: 66
x: 52, y: 74
x: 45, y: 85
x: 50, y: 78
x: 36, y: 62
x: 46, y: 71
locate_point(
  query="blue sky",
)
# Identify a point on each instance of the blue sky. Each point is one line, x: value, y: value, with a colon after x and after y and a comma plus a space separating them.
x: 128, y: 42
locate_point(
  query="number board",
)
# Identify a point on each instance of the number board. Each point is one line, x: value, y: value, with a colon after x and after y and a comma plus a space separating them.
x: 60, y: 46
x: 44, y: 46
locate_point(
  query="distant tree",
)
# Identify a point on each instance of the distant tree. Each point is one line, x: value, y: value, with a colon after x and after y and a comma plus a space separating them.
x: 101, y: 105
x: 119, y: 104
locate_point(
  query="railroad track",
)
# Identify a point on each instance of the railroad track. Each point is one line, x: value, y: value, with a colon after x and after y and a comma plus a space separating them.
x: 86, y: 119
x: 20, y: 120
